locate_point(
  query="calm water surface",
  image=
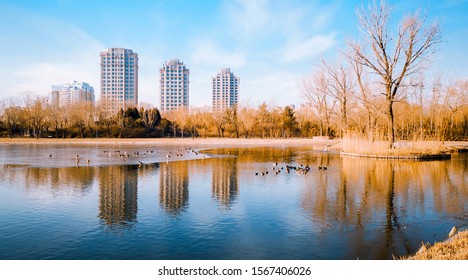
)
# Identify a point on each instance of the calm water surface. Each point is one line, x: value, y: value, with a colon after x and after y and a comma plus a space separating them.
x: 215, y: 207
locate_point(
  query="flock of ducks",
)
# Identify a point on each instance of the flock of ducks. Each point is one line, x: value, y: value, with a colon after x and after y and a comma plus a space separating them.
x: 124, y: 154
x: 299, y: 169
x: 170, y: 154
x: 77, y: 159
x: 181, y: 152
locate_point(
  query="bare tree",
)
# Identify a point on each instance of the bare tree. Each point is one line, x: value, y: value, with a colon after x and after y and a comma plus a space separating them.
x: 341, y: 85
x: 55, y: 114
x: 179, y: 119
x: 90, y: 117
x: 263, y: 115
x: 232, y: 119
x: 275, y: 123
x: 393, y: 57
x: 78, y: 115
x: 12, y: 118
x: 247, y: 121
x: 220, y: 122
x: 315, y: 91
x: 34, y: 115
x: 455, y: 98
x: 106, y: 119
x: 365, y: 96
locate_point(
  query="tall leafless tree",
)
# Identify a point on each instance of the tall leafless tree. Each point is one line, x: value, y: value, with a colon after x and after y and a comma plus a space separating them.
x: 12, y: 119
x: 363, y: 93
x: 247, y: 121
x: 341, y: 84
x: 455, y: 98
x: 393, y: 56
x: 315, y: 90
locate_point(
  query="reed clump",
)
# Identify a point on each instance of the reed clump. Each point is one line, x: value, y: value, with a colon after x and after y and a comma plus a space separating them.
x: 400, y: 149
x: 455, y: 248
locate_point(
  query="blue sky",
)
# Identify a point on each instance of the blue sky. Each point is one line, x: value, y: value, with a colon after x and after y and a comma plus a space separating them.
x: 270, y: 45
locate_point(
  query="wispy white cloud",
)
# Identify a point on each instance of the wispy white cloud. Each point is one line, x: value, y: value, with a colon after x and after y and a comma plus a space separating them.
x: 38, y: 77
x: 309, y: 48
x: 208, y: 53
x: 274, y: 87
x: 247, y: 16
x: 47, y: 51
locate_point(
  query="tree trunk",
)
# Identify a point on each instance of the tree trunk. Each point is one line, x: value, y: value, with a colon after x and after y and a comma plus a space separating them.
x: 391, y: 128
x: 321, y: 128
x: 370, y: 130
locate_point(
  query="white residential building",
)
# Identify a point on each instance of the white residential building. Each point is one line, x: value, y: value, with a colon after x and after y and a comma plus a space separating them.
x: 174, y: 85
x: 225, y: 90
x: 119, y: 79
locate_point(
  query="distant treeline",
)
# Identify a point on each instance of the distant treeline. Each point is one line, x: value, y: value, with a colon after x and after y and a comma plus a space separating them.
x: 443, y: 117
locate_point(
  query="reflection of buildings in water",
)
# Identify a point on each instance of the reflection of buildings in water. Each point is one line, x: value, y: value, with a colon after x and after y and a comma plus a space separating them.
x: 118, y: 187
x: 174, y: 186
x: 147, y: 168
x: 224, y: 180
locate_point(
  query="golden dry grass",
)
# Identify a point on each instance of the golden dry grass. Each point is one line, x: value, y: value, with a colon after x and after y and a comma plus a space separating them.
x: 381, y: 148
x: 455, y: 248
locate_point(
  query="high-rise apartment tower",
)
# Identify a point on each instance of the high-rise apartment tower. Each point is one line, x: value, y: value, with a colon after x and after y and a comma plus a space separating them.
x: 119, y: 79
x: 174, y: 85
x: 225, y: 90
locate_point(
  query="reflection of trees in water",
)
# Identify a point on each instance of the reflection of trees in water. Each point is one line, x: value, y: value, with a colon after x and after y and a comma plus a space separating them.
x: 174, y: 186
x: 59, y: 179
x: 224, y: 180
x: 450, y: 190
x: 258, y: 155
x: 374, y: 199
x: 118, y: 186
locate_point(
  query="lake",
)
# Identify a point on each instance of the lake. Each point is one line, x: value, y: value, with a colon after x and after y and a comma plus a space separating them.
x: 134, y: 202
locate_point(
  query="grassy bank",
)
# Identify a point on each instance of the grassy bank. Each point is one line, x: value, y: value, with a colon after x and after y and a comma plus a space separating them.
x: 381, y: 149
x: 455, y: 248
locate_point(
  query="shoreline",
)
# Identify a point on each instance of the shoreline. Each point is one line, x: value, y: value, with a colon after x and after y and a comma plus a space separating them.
x: 419, y: 151
x: 197, y: 142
